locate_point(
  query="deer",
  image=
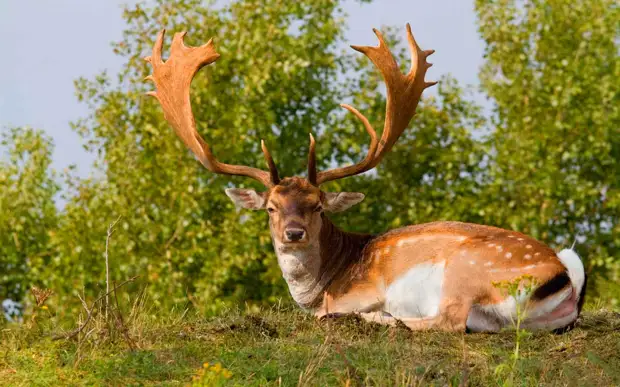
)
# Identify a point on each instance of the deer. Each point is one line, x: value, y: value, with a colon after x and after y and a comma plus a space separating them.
x: 442, y: 275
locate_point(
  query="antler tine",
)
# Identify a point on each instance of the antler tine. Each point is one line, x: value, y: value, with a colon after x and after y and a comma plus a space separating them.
x: 273, y: 171
x: 403, y: 91
x: 403, y: 95
x: 172, y: 80
x: 350, y: 170
x: 312, y: 161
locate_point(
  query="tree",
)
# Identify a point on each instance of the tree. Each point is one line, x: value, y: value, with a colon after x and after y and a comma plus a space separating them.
x: 280, y: 77
x: 552, y: 71
x: 28, y: 215
x: 548, y: 168
x: 275, y: 81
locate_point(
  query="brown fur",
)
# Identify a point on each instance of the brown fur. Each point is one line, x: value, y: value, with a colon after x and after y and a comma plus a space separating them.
x: 360, y: 267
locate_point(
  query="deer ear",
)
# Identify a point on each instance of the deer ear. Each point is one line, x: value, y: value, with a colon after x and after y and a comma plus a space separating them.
x: 246, y: 198
x: 340, y: 201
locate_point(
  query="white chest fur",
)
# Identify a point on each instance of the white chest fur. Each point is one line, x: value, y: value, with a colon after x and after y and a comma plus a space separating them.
x: 302, y: 271
x: 417, y: 293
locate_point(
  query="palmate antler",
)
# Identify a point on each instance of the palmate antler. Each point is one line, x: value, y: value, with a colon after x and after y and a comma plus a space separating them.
x: 172, y: 80
x: 403, y: 95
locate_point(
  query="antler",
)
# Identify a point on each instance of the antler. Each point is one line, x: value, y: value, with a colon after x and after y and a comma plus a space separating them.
x: 172, y: 80
x: 403, y: 95
x: 338, y: 173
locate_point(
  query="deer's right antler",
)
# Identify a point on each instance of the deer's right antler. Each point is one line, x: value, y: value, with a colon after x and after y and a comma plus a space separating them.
x: 172, y: 80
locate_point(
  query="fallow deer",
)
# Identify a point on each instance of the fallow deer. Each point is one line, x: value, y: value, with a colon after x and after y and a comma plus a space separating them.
x: 440, y: 275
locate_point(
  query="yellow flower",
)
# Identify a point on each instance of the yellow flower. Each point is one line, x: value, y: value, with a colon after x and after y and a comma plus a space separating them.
x: 44, y: 307
x: 206, y: 365
x: 217, y: 367
x: 226, y: 373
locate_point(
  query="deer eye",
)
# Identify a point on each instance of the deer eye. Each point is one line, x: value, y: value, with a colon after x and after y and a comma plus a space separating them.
x: 271, y: 210
x: 318, y: 208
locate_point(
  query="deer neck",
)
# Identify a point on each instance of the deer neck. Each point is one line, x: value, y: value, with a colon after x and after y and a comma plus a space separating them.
x: 310, y: 270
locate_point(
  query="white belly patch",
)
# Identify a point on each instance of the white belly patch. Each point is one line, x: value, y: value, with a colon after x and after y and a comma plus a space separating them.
x: 417, y: 293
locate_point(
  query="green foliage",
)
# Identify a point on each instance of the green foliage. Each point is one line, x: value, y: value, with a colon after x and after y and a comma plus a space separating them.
x: 277, y: 80
x: 545, y: 162
x: 519, y: 289
x: 28, y: 215
x: 553, y: 71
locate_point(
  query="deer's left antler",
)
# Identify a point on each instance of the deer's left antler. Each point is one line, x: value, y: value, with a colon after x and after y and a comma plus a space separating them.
x: 403, y: 95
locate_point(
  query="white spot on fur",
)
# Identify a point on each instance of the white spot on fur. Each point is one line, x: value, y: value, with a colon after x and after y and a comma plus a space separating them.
x: 488, y: 263
x: 519, y: 239
x: 500, y: 248
x: 536, y: 254
x: 527, y: 256
x: 417, y: 293
x: 400, y: 243
x: 508, y: 255
x: 528, y: 246
x: 511, y: 236
x: 472, y: 262
x: 529, y: 267
x: 491, y: 244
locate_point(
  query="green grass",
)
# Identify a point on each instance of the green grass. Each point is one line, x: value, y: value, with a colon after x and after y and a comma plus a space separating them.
x: 285, y: 346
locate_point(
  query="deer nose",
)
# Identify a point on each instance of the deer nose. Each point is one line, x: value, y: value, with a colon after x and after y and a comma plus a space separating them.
x: 294, y: 234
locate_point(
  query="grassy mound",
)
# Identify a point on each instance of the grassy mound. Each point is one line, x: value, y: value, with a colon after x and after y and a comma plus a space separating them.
x: 285, y: 346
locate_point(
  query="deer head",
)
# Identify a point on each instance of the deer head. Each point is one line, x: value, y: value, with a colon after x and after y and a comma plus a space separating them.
x: 295, y: 205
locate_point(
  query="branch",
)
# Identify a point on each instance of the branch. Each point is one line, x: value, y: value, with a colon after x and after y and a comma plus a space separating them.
x: 79, y: 329
x: 107, y: 264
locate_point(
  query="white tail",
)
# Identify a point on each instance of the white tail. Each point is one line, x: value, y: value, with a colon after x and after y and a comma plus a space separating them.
x: 574, y: 266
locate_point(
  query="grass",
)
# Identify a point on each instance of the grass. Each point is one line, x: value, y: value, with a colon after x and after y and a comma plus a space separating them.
x: 285, y: 346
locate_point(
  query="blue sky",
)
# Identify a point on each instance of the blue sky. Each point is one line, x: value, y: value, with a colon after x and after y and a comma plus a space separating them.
x: 45, y: 45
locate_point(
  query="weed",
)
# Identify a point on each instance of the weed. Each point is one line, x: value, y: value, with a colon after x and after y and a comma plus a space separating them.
x: 519, y: 290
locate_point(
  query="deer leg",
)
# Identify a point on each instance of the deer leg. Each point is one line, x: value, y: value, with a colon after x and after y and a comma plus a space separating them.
x: 362, y: 302
x: 452, y: 317
x: 380, y: 318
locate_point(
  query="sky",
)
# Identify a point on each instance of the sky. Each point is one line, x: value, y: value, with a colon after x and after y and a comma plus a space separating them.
x: 46, y: 45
